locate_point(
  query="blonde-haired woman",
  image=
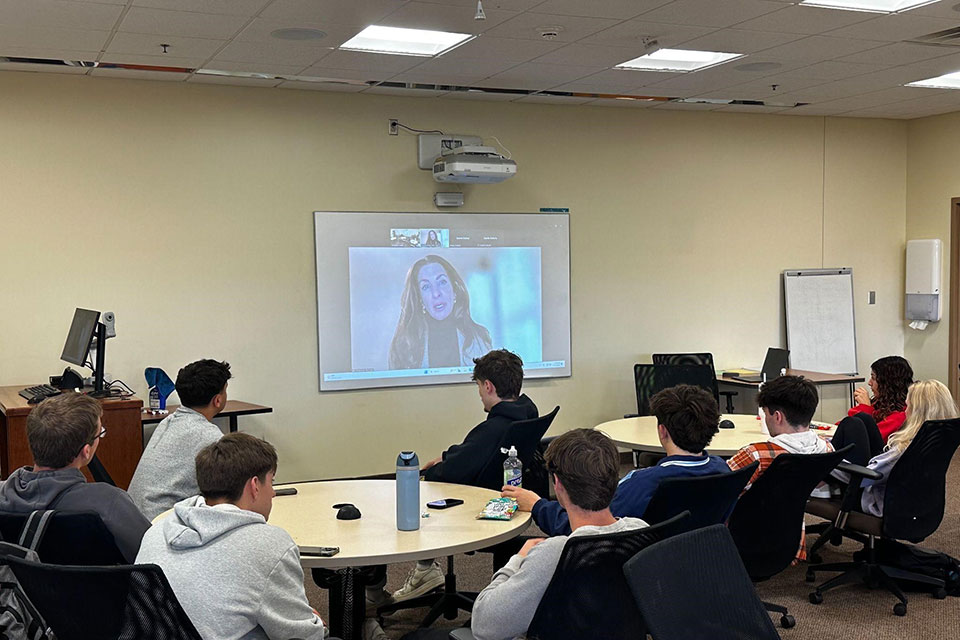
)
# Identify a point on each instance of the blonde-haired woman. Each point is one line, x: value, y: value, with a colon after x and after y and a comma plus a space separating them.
x: 926, y: 400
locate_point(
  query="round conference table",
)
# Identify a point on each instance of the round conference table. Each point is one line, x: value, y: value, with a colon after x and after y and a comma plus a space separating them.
x: 373, y: 539
x: 640, y: 434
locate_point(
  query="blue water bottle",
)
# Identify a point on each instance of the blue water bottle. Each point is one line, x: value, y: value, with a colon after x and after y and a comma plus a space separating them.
x: 408, y: 491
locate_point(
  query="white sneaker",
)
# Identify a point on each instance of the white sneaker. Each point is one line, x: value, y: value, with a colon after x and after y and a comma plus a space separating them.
x: 419, y: 582
x: 373, y: 631
x: 821, y: 491
x: 377, y: 599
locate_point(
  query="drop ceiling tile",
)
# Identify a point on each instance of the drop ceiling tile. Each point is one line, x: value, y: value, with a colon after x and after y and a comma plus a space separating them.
x: 370, y: 61
x: 535, y: 76
x: 632, y: 33
x: 863, y: 101
x: 503, y: 49
x: 880, y: 112
x: 764, y: 87
x: 46, y: 53
x: 811, y: 110
x: 894, y: 27
x: 621, y: 9
x: 233, y: 81
x: 710, y: 13
x: 253, y: 67
x: 832, y: 70
x: 225, y: 7
x: 181, y: 23
x: 44, y: 14
x: 42, y: 68
x: 542, y: 99
x: 687, y: 106
x: 933, y: 67
x: 455, y: 69
x: 752, y: 108
x: 740, y: 40
x: 512, y: 5
x: 818, y: 48
x: 401, y: 91
x: 591, y: 54
x: 528, y: 26
x: 946, y: 9
x: 140, y: 75
x: 260, y: 30
x: 357, y: 75
x: 321, y: 86
x: 150, y: 45
x: 415, y: 76
x: 482, y: 96
x: 900, y: 94
x: 185, y: 62
x: 896, y: 54
x: 806, y: 19
x: 615, y: 102
x: 277, y: 52
x: 750, y: 91
x: 358, y: 12
x: 60, y: 39
x: 616, y: 81
x: 440, y: 17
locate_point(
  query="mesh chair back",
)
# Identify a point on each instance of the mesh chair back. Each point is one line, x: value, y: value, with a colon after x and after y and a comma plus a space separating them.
x: 106, y: 603
x: 77, y: 537
x: 766, y: 523
x: 694, y: 359
x: 727, y: 606
x: 709, y: 499
x: 914, y: 498
x: 588, y: 596
x: 525, y: 435
x: 648, y: 379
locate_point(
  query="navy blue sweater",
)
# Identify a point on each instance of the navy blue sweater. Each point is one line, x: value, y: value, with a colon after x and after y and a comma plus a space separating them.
x: 634, y: 491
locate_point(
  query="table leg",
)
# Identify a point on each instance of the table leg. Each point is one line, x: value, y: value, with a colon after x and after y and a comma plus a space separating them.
x: 347, y: 600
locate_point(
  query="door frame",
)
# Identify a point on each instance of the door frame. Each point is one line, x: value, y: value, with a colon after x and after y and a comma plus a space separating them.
x: 953, y: 376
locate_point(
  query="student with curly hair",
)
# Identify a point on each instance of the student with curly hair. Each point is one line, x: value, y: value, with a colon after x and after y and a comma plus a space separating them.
x: 890, y: 377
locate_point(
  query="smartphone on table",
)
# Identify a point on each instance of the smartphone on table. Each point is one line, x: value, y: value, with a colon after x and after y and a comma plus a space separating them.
x: 444, y: 503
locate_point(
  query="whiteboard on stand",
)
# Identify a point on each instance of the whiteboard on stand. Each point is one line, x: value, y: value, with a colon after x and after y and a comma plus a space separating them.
x: 821, y: 331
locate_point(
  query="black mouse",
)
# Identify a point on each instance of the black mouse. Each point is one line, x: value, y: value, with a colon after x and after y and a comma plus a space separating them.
x: 346, y: 511
x: 726, y: 424
x: 37, y: 399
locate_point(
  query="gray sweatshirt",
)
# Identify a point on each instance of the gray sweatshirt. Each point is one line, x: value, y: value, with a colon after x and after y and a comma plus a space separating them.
x: 167, y: 471
x: 505, y: 608
x: 237, y: 577
x: 66, y: 489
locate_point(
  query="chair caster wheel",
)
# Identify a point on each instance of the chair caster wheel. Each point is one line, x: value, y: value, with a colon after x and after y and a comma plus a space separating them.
x: 940, y: 593
x: 900, y: 609
x: 810, y: 577
x: 787, y: 621
x: 816, y: 597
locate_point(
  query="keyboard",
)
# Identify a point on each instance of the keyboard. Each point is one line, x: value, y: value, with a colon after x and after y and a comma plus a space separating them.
x: 44, y: 390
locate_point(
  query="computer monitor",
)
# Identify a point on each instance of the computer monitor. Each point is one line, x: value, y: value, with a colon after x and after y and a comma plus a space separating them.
x: 82, y: 329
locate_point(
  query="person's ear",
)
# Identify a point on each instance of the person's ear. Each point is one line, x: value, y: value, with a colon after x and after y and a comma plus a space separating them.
x: 254, y: 488
x: 662, y: 432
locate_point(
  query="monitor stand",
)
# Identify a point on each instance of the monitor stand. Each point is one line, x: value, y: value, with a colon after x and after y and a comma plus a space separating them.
x: 101, y: 337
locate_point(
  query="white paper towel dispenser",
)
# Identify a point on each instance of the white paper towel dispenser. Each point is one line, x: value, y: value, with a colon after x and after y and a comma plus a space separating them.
x: 923, y: 282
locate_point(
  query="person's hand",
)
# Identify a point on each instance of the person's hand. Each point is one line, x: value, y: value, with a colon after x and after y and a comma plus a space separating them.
x: 861, y: 396
x: 525, y: 498
x: 430, y: 463
x: 529, y: 544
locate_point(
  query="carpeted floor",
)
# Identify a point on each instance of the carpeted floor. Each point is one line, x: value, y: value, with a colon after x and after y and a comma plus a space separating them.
x: 847, y: 613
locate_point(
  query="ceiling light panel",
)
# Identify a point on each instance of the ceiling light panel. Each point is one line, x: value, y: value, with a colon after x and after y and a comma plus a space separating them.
x: 410, y: 42
x: 948, y: 81
x: 874, y: 6
x: 678, y: 60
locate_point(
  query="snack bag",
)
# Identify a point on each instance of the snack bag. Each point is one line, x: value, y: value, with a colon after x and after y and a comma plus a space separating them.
x: 498, y: 509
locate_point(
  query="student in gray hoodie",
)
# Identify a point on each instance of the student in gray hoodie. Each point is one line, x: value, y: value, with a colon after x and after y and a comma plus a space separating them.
x: 64, y: 433
x: 585, y: 467
x: 165, y: 474
x: 237, y: 577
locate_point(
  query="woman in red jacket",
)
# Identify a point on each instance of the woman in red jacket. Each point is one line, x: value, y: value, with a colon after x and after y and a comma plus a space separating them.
x: 890, y: 377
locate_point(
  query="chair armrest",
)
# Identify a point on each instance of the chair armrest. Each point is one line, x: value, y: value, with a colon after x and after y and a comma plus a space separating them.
x: 463, y: 633
x: 631, y: 415
x: 857, y: 470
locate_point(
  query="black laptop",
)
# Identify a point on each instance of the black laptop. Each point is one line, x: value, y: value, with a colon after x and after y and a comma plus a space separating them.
x: 776, y: 361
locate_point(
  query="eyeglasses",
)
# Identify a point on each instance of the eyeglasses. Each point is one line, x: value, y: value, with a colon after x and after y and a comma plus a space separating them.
x: 102, y: 433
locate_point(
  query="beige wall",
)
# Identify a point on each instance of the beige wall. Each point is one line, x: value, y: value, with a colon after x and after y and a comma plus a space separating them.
x: 187, y: 210
x: 932, y: 180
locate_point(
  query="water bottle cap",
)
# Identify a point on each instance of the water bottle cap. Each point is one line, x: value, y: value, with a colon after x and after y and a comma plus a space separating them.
x: 407, y: 459
x: 512, y: 451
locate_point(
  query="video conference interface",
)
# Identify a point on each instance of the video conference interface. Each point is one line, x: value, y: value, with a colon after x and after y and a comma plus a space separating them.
x: 406, y: 299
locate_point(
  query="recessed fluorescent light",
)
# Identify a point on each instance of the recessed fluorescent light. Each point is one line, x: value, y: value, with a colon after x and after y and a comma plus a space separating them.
x: 409, y: 42
x: 948, y: 81
x: 678, y: 60
x: 873, y: 6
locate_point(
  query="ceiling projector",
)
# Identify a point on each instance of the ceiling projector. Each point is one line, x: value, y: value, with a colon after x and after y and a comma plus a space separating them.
x: 473, y: 164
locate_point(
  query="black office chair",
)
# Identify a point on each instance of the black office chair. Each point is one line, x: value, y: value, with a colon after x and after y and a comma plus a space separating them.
x: 709, y: 499
x: 913, y: 506
x: 767, y: 523
x: 648, y: 379
x: 99, y: 472
x: 727, y: 606
x: 104, y: 603
x: 71, y: 538
x: 698, y: 359
x: 525, y: 435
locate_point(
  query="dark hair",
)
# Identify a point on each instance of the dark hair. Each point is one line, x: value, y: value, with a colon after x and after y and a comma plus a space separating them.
x: 199, y: 381
x: 224, y: 467
x: 409, y: 340
x: 894, y: 377
x: 502, y: 368
x: 689, y: 414
x: 588, y: 466
x: 59, y: 427
x: 794, y: 396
